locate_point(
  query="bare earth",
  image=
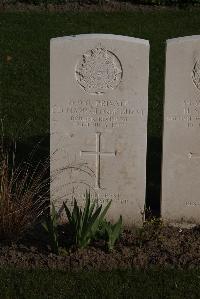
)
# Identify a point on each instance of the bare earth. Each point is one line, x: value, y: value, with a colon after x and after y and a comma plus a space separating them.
x: 139, y: 248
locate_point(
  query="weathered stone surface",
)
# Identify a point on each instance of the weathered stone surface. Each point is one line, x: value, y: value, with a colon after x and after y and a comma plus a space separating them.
x: 181, y: 141
x: 99, y: 104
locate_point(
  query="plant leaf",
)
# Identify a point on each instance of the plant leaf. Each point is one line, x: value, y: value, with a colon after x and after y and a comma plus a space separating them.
x: 67, y: 211
x: 104, y: 211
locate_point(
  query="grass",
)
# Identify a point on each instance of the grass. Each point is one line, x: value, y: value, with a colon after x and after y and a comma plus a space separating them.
x: 152, y: 283
x: 24, y: 64
x: 24, y: 106
x: 24, y: 70
x: 24, y: 194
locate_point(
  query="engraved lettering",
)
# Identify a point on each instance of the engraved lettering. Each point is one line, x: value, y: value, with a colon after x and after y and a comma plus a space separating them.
x: 101, y: 113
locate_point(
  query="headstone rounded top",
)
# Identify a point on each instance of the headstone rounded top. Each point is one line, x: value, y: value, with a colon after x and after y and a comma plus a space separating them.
x: 98, y: 71
x: 103, y: 36
x: 183, y: 39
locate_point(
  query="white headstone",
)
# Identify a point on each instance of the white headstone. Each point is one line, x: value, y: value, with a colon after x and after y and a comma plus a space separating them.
x: 181, y: 141
x: 99, y: 104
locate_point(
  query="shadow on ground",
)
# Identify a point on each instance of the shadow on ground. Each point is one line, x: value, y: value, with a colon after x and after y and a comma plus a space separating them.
x: 37, y: 149
x: 153, y: 189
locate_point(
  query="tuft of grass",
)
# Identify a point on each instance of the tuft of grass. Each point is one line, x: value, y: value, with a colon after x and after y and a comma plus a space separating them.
x: 23, y: 194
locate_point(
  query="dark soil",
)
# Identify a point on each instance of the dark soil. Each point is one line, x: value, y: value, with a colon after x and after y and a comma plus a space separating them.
x: 154, y: 244
x: 111, y: 6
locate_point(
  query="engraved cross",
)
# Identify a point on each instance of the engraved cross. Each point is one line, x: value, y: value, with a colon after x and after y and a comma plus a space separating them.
x: 98, y: 153
x: 193, y: 155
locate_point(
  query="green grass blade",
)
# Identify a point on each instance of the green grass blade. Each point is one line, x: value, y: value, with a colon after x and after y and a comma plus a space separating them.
x: 67, y: 211
x: 91, y: 210
x: 94, y: 221
x: 116, y: 229
x: 45, y: 226
x: 86, y: 209
x: 75, y: 213
x: 101, y: 217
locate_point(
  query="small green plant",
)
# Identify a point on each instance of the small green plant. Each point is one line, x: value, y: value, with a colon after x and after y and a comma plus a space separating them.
x: 85, y: 224
x: 113, y: 232
x: 51, y: 227
x: 101, y: 231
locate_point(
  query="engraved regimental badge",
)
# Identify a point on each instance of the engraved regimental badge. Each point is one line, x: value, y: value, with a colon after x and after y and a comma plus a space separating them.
x: 98, y: 71
x: 196, y: 74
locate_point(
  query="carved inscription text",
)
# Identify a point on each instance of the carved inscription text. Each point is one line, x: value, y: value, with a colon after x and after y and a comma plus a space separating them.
x: 190, y: 115
x: 99, y: 114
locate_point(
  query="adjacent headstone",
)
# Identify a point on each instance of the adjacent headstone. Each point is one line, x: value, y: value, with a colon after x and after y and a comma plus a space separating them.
x: 99, y: 103
x: 181, y: 141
